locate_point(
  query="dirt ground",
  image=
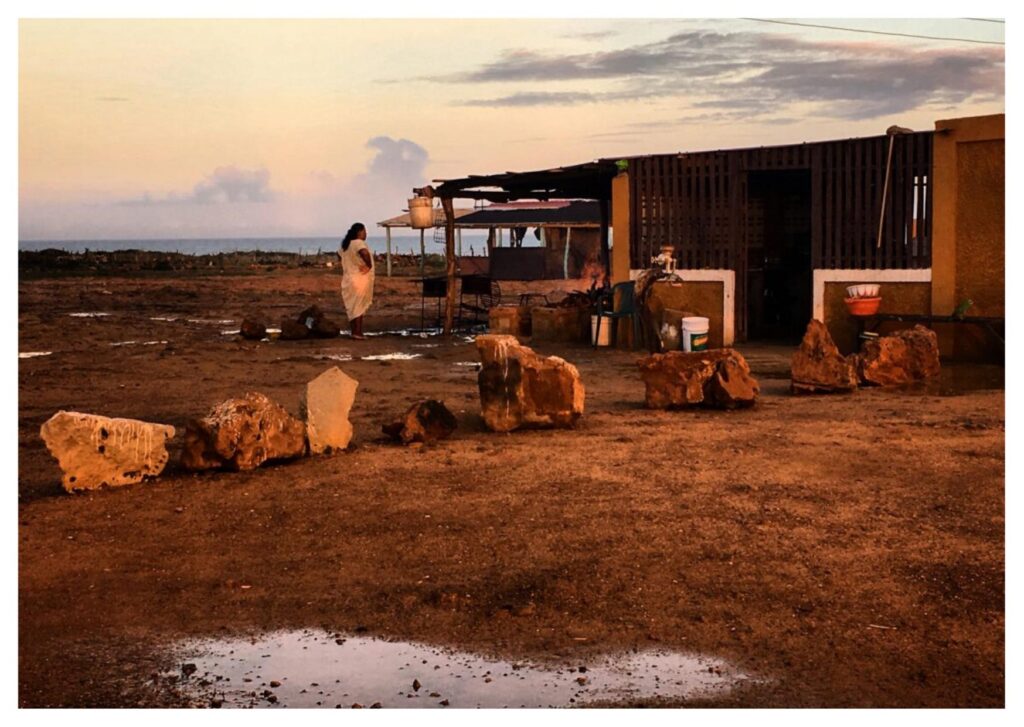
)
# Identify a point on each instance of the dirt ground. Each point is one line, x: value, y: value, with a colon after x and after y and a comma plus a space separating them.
x: 850, y: 549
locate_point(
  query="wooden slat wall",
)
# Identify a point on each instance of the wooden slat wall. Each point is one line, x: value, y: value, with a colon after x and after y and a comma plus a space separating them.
x: 696, y: 203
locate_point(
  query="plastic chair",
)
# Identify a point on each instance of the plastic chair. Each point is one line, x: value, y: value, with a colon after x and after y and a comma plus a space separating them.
x: 626, y: 307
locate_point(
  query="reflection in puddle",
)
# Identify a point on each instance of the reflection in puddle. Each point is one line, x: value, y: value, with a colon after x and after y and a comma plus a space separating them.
x: 475, y: 364
x: 318, y: 669
x: 88, y: 315
x: 34, y: 354
x: 166, y: 319
x: 392, y: 356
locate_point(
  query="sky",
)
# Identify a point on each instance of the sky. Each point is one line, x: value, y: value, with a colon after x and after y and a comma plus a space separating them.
x: 145, y: 129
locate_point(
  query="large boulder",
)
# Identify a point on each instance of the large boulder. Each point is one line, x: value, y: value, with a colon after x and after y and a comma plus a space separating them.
x: 425, y: 421
x: 242, y: 434
x: 325, y: 407
x: 93, y: 450
x: 904, y: 357
x: 318, y: 324
x: 818, y: 367
x: 292, y: 330
x: 519, y: 388
x: 719, y: 378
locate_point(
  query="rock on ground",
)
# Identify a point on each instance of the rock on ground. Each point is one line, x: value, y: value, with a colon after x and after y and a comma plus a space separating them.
x: 719, y: 378
x: 519, y: 388
x: 906, y: 356
x: 818, y: 367
x: 325, y: 407
x: 253, y: 329
x: 292, y: 330
x: 425, y: 421
x: 93, y: 450
x: 242, y: 434
x: 318, y: 324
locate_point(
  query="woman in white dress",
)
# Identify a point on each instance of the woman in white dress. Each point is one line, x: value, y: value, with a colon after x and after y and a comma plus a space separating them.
x: 356, y: 277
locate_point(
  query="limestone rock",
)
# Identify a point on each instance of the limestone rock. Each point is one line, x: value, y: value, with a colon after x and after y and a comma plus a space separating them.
x: 906, y: 356
x: 292, y: 330
x: 818, y: 367
x: 519, y: 388
x: 425, y: 421
x: 317, y: 323
x: 325, y: 407
x: 242, y: 434
x: 719, y: 378
x: 253, y: 329
x: 93, y: 450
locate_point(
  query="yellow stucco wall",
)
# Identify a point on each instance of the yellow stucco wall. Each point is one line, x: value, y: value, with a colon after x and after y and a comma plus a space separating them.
x: 896, y: 298
x: 968, y: 234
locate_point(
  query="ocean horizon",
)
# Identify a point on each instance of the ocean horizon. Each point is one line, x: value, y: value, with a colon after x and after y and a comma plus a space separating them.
x: 400, y: 244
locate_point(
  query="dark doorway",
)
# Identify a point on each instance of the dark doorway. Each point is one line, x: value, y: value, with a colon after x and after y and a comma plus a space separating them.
x: 778, y: 255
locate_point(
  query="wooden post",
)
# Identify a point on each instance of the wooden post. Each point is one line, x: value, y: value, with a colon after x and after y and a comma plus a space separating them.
x: 565, y: 260
x: 605, y: 256
x: 449, y: 254
x: 387, y: 230
x: 423, y: 254
x: 460, y: 242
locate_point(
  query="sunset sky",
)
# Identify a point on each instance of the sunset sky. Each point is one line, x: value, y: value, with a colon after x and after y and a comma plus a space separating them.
x: 254, y: 128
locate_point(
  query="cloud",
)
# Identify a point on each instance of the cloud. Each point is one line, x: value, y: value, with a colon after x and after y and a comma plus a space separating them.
x: 757, y: 74
x: 225, y: 185
x: 593, y: 35
x: 396, y: 159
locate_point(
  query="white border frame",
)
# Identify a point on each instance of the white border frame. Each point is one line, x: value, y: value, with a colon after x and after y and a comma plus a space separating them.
x: 728, y: 280
x: 886, y: 275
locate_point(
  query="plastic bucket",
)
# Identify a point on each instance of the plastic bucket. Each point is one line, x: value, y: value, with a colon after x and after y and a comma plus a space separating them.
x: 606, y: 331
x: 421, y: 213
x: 695, y: 333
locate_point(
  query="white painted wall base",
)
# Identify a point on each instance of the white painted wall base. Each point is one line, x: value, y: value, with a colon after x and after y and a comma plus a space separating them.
x: 728, y: 280
x: 889, y: 275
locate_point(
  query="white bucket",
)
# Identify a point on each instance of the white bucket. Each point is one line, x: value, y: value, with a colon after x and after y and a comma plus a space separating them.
x: 695, y: 333
x: 606, y: 331
x: 421, y: 213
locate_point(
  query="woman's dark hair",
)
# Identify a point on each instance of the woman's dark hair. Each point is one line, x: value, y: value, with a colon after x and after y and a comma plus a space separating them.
x: 351, y: 234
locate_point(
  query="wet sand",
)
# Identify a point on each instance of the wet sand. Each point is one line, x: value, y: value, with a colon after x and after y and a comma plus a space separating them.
x: 848, y: 548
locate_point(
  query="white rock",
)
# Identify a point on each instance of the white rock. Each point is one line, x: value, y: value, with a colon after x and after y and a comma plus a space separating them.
x: 325, y: 406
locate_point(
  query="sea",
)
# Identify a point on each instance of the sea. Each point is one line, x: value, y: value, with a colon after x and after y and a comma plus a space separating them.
x: 472, y: 243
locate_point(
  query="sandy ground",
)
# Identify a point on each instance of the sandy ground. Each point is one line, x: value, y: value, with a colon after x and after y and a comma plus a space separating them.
x: 849, y: 549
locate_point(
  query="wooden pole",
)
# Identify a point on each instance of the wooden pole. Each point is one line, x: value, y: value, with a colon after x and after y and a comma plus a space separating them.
x: 460, y: 242
x: 388, y: 232
x: 449, y: 255
x: 565, y: 260
x: 605, y: 254
x: 885, y: 191
x: 423, y: 254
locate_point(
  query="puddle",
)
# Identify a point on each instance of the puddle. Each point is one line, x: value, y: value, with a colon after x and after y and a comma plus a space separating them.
x: 163, y: 318
x: 467, y: 363
x: 34, y: 354
x: 958, y: 379
x: 392, y: 357
x: 336, y: 357
x: 318, y: 669
x: 88, y: 315
x: 137, y: 343
x: 210, y: 322
x: 231, y: 333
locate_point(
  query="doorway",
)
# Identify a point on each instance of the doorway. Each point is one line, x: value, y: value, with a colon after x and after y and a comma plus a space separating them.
x: 779, y: 273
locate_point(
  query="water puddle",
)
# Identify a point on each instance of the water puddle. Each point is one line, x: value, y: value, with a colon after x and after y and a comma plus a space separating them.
x: 137, y: 343
x: 475, y: 364
x: 210, y: 322
x: 336, y: 357
x: 89, y: 314
x: 166, y: 319
x: 397, y: 356
x: 314, y: 668
x: 34, y: 354
x: 231, y: 333
x: 959, y: 379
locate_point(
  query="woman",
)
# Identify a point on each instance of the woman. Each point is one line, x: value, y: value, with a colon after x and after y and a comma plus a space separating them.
x: 356, y: 277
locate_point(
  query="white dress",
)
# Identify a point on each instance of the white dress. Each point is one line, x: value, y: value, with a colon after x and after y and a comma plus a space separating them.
x: 356, y: 286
